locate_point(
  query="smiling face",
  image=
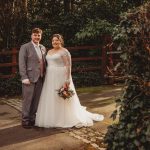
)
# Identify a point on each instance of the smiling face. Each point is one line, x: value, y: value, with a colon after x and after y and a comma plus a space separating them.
x: 56, y: 42
x: 36, y: 37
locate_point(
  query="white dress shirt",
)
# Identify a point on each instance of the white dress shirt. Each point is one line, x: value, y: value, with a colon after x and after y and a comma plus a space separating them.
x: 37, y: 49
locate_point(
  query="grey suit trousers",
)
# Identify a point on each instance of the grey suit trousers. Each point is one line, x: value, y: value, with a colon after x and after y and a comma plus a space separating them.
x: 31, y: 95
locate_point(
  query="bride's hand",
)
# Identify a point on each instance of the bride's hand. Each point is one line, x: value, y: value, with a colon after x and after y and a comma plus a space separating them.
x: 66, y: 85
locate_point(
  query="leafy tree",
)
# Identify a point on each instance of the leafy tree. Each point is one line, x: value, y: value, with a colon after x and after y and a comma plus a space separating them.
x: 92, y: 31
x: 101, y: 16
x: 69, y: 17
x: 132, y: 132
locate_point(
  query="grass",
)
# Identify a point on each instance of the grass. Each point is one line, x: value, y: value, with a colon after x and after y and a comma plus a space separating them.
x: 98, y: 89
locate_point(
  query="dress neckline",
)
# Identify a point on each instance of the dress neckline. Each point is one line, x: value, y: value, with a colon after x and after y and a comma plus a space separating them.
x: 55, y: 53
x: 52, y: 54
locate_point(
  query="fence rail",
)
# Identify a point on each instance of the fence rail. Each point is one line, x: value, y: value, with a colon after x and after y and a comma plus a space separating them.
x: 102, y: 57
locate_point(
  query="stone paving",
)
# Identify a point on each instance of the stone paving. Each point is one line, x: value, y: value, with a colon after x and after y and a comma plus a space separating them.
x: 89, y: 135
x: 86, y: 134
x: 15, y: 103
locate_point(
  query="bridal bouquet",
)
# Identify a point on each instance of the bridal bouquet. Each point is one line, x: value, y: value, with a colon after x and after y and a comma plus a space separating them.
x: 65, y: 93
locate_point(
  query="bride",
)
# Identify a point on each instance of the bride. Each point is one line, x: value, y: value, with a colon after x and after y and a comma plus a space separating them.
x: 53, y: 110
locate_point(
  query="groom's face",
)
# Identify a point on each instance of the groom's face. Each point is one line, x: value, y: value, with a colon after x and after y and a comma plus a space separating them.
x: 36, y: 37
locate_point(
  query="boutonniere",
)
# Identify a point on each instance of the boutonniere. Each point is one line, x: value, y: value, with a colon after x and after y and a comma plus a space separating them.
x: 42, y: 49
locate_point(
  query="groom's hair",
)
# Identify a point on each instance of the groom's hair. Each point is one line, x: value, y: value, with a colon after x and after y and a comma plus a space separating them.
x: 37, y: 30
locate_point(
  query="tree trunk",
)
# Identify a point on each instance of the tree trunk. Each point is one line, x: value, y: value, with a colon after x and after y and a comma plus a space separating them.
x: 67, y: 4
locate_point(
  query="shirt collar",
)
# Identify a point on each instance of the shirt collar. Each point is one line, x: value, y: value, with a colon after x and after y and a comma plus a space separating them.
x: 35, y: 44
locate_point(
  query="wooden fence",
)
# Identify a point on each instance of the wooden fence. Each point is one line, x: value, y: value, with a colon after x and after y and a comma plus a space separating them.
x: 102, y: 57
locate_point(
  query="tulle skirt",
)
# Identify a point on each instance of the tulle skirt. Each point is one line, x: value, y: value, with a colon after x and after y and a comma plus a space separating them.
x: 54, y: 111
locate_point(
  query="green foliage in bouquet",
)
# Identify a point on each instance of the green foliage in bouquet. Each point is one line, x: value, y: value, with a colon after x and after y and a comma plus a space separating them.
x: 65, y: 93
x: 132, y: 132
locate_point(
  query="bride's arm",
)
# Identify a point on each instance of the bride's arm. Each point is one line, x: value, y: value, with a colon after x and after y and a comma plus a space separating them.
x: 67, y: 62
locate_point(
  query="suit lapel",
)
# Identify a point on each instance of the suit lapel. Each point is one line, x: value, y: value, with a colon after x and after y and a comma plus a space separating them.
x: 43, y: 54
x: 33, y: 50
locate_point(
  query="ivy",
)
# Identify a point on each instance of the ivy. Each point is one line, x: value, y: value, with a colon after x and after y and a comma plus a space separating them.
x: 132, y: 132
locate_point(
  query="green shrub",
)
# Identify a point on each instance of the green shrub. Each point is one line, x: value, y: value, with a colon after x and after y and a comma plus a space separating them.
x: 11, y: 86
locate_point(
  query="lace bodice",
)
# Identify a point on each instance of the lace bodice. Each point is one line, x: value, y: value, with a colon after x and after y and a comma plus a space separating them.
x: 60, y: 59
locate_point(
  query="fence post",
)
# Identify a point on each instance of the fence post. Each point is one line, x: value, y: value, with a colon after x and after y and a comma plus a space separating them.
x: 14, y: 60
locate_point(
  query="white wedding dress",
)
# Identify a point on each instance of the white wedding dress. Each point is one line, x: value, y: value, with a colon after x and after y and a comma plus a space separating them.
x: 54, y: 111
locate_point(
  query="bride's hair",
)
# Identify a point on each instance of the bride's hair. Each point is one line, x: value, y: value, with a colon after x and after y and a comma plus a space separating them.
x: 60, y: 37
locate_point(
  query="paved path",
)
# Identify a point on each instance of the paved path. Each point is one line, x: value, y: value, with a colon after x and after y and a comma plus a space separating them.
x: 91, y: 138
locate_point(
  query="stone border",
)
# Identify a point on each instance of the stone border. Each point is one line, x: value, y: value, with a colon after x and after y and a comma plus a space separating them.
x: 89, y: 136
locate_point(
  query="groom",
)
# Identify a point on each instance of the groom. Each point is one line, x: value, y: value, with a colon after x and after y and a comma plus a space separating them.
x: 32, y: 66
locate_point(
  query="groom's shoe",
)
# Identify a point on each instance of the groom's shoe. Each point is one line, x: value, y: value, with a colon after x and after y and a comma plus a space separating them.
x: 32, y: 123
x: 26, y: 125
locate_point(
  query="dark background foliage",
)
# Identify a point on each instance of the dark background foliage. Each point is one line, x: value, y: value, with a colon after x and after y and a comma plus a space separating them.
x: 79, y: 21
x: 11, y: 86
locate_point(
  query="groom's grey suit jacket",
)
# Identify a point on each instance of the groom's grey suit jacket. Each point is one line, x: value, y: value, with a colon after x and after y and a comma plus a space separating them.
x: 29, y: 64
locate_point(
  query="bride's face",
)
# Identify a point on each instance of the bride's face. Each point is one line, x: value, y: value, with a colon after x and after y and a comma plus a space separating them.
x: 56, y: 43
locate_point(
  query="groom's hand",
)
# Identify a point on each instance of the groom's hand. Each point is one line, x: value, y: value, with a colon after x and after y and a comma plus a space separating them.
x: 26, y: 81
